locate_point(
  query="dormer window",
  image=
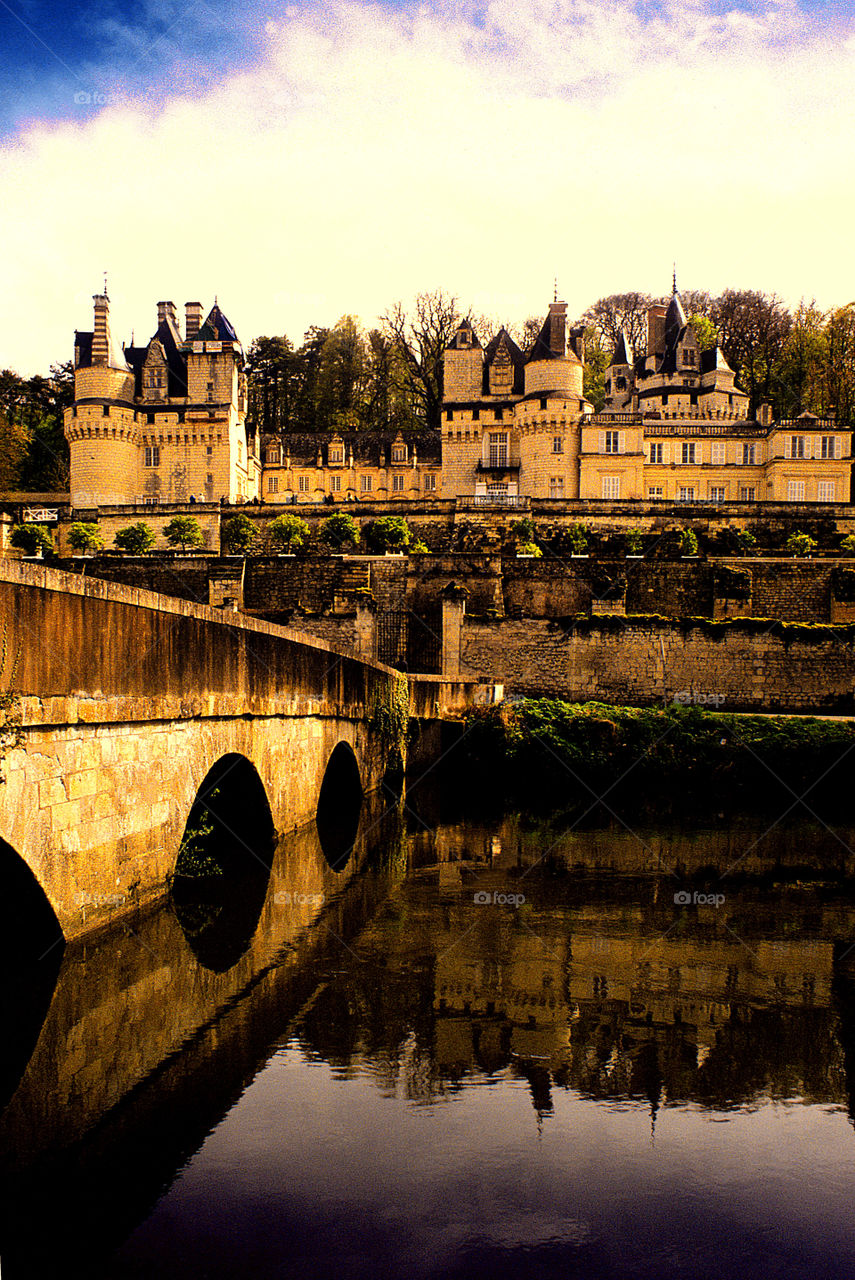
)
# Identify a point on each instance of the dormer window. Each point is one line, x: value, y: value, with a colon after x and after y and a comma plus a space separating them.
x: 399, y: 453
x: 336, y: 455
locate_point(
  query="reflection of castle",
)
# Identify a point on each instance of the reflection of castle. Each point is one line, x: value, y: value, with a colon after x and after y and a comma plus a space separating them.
x: 605, y: 997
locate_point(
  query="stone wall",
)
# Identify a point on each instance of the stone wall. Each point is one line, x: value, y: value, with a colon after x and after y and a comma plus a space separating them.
x: 728, y: 666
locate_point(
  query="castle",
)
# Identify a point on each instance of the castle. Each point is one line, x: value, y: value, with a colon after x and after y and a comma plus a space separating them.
x: 674, y: 428
x: 166, y: 423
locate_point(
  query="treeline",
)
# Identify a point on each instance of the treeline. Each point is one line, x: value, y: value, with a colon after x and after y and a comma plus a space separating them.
x: 33, y: 449
x: 347, y: 378
x: 794, y: 360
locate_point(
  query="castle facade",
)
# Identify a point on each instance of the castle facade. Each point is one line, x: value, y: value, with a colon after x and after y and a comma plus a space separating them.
x: 164, y: 422
x: 675, y: 427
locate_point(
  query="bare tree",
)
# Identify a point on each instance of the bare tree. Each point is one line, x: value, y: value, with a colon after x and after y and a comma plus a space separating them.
x: 420, y: 338
x: 618, y: 312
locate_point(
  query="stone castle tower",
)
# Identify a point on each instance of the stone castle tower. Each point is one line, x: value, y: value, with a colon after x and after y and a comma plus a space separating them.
x: 160, y: 422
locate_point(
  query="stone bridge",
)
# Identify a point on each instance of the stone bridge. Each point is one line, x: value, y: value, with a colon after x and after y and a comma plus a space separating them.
x: 116, y: 705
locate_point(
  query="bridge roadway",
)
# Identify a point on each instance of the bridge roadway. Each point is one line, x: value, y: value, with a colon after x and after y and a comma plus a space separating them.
x: 115, y: 704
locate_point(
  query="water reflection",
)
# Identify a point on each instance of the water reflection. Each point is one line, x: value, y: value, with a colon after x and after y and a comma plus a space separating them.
x: 449, y: 972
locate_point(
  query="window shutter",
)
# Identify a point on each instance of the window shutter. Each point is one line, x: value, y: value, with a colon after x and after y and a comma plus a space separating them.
x: 838, y: 447
x: 808, y: 442
x: 602, y: 442
x: 621, y: 437
x: 817, y: 446
x: 666, y: 453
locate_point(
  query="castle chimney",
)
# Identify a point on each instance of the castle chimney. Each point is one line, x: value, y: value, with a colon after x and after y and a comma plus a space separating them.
x: 166, y: 311
x: 101, y: 335
x: 765, y: 415
x: 192, y: 320
x: 656, y: 328
x: 558, y: 327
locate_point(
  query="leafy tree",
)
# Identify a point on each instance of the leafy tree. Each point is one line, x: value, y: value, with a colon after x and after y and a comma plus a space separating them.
x: 31, y: 538
x: 689, y: 543
x: 14, y: 443
x: 183, y: 532
x: 389, y: 533
x: 577, y: 539
x: 803, y: 362
x: 339, y: 531
x: 288, y: 532
x: 238, y: 534
x: 136, y: 539
x: 523, y: 529
x: 801, y: 544
x: 84, y: 538
x: 35, y: 405
x: 598, y: 357
x: 847, y: 544
x: 706, y: 334
x: 753, y: 329
x: 530, y: 549
x: 634, y: 542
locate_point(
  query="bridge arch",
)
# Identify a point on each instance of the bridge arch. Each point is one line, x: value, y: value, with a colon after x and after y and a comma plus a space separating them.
x: 339, y: 805
x: 230, y: 823
x: 31, y: 950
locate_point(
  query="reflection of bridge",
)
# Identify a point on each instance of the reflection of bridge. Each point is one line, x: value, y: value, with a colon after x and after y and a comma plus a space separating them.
x: 117, y: 704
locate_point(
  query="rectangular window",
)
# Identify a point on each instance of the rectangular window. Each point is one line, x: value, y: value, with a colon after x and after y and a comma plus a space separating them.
x: 303, y: 484
x: 797, y: 446
x: 556, y: 487
x: 612, y: 442
x: 656, y: 452
x: 688, y: 454
x: 498, y: 444
x: 336, y: 457
x: 397, y: 484
x: 611, y: 485
x: 399, y: 453
x: 749, y: 455
x: 272, y: 484
x: 716, y: 493
x: 557, y: 444
x: 796, y: 491
x: 686, y: 493
x: 747, y: 493
x: 365, y: 484
x: 825, y: 491
x: 655, y: 493
x: 335, y: 484
x: 826, y: 447
x: 718, y: 453
x: 152, y: 455
x: 430, y: 483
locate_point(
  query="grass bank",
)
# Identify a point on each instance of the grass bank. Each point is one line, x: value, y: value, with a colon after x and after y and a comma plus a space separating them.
x: 543, y: 753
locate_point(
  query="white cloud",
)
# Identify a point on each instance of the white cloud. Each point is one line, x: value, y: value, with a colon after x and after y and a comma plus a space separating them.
x: 371, y: 154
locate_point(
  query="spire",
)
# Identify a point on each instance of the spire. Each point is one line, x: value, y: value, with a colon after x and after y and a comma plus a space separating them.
x: 554, y: 296
x: 674, y: 282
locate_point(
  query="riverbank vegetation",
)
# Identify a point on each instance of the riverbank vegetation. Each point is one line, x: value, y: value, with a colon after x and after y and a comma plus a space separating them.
x: 548, y: 754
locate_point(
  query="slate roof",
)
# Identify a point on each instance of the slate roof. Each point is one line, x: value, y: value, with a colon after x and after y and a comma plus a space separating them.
x: 365, y: 445
x: 475, y: 343
x: 217, y: 328
x: 176, y: 364
x: 517, y: 360
x: 623, y: 350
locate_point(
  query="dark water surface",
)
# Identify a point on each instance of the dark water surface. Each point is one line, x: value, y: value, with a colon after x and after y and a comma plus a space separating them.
x: 479, y: 1050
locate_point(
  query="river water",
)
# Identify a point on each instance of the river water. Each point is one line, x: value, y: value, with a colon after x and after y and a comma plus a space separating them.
x: 485, y: 1048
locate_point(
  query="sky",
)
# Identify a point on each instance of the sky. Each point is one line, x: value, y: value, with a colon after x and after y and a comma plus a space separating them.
x: 302, y: 161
